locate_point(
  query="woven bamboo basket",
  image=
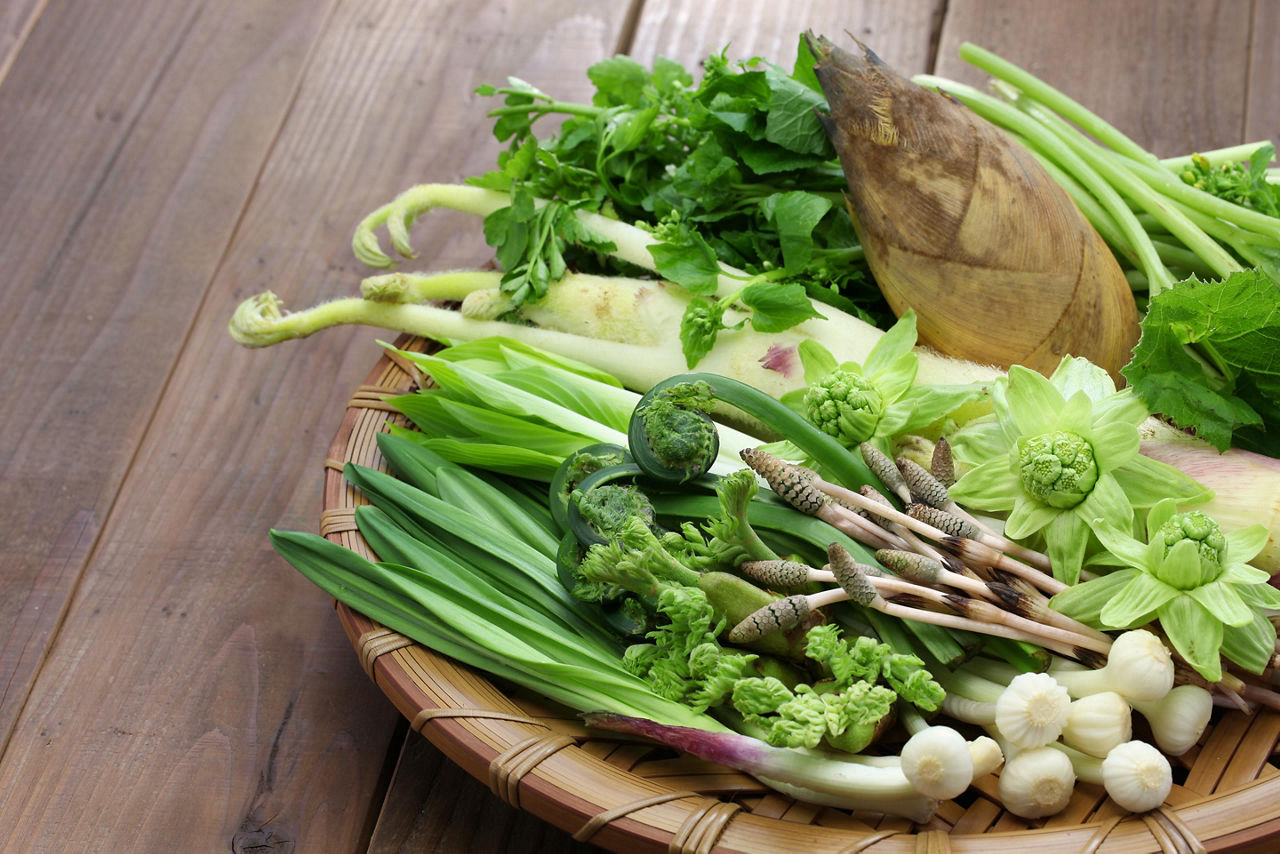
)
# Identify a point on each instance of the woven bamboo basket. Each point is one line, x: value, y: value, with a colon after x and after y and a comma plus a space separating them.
x: 630, y: 797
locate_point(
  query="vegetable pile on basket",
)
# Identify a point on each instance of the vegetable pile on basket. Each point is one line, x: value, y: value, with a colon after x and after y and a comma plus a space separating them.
x: 861, y: 571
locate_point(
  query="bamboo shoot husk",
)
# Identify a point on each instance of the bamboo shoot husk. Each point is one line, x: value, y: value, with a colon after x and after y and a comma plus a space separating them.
x: 962, y: 224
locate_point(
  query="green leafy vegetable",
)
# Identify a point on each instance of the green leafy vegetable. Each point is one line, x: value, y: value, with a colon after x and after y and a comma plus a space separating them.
x: 735, y: 170
x: 1237, y: 323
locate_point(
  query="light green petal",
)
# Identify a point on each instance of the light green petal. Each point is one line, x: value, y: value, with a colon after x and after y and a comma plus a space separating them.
x: 897, y: 418
x: 1084, y: 602
x: 1124, y: 407
x: 1180, y: 565
x: 1243, y: 573
x: 978, y: 442
x: 1076, y: 415
x: 888, y: 352
x: 1195, y: 634
x: 1076, y: 373
x: 816, y: 360
x: 1223, y: 602
x: 1147, y: 481
x: 1067, y: 536
x: 1107, y: 501
x: 1028, y: 516
x: 1117, y: 542
x: 895, y: 380
x: 1000, y: 408
x: 931, y: 402
x: 1113, y: 445
x: 1136, y: 604
x: 1259, y: 595
x: 1034, y: 403
x: 1243, y: 545
x: 1162, y: 511
x: 990, y: 486
x: 1250, y: 646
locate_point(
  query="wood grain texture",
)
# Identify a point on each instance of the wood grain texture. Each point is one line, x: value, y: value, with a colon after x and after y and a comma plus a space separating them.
x: 170, y: 684
x: 1262, y: 116
x: 901, y: 32
x: 133, y: 136
x: 17, y: 20
x: 434, y: 807
x: 192, y: 660
x: 1173, y: 76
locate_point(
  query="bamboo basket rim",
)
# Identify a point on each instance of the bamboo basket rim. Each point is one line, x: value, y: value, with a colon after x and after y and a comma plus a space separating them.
x: 601, y: 788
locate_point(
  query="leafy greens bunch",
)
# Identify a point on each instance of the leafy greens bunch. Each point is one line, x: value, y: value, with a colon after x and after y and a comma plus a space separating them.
x: 734, y: 170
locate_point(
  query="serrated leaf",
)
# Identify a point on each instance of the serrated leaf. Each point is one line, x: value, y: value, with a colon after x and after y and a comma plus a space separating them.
x: 1237, y: 321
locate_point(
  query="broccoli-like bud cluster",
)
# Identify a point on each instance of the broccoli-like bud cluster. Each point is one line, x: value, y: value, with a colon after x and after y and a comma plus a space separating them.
x: 1057, y: 468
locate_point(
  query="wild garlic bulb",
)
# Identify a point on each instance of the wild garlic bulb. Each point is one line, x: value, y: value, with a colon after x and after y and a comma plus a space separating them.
x: 937, y: 762
x: 1137, y: 776
x: 1178, y: 719
x: 986, y: 755
x: 1033, y: 710
x: 1138, y: 667
x: 1037, y: 782
x: 1097, y: 723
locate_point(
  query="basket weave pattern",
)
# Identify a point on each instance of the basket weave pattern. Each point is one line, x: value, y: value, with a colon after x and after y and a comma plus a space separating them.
x: 628, y: 796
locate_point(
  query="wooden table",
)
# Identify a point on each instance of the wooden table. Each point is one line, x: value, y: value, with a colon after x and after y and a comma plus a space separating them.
x: 167, y: 683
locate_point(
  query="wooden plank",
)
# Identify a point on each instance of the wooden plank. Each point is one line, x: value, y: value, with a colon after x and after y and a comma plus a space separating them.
x: 133, y: 133
x: 17, y: 20
x: 900, y: 32
x: 194, y: 666
x: 1170, y: 75
x: 435, y: 806
x: 1262, y: 119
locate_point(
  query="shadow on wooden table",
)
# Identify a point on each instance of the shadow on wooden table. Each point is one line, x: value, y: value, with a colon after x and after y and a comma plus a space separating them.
x: 435, y: 807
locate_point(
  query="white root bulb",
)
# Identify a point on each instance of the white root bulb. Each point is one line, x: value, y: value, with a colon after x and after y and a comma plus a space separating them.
x: 937, y: 762
x: 1037, y: 782
x: 1097, y: 723
x: 1137, y: 776
x: 1032, y: 710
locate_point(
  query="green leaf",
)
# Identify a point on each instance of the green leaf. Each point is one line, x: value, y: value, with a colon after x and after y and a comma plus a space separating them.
x: 791, y: 122
x: 795, y: 214
x: 692, y: 265
x: 803, y: 70
x: 1236, y: 321
x: 1136, y: 603
x: 619, y: 81
x: 775, y: 307
x: 1195, y: 634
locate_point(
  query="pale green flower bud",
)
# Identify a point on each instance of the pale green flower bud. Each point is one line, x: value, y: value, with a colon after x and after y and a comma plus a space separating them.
x: 844, y: 405
x: 1057, y: 468
x: 1210, y: 542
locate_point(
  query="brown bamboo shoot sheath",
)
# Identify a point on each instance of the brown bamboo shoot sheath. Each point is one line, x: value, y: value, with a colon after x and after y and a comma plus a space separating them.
x: 960, y: 223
